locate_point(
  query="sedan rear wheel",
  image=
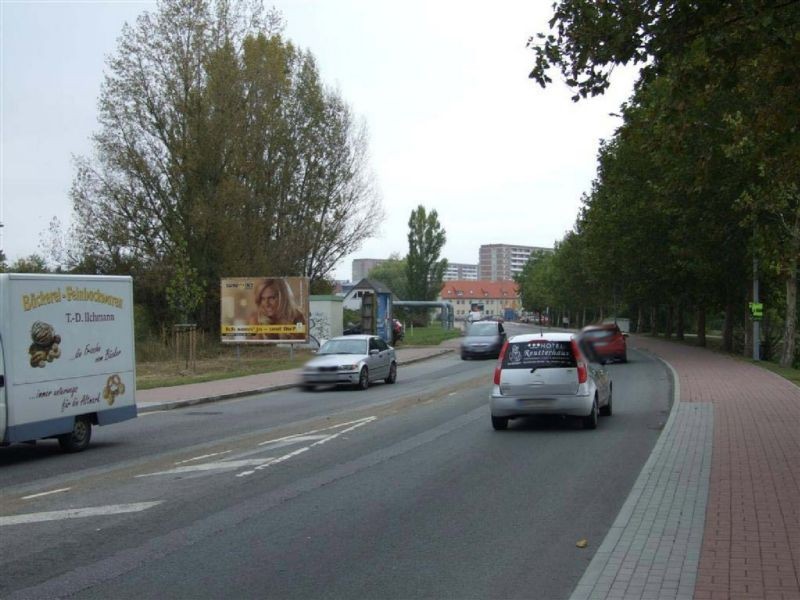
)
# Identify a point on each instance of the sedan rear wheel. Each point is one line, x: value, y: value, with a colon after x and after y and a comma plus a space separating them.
x: 590, y: 422
x: 392, y: 377
x: 363, y: 379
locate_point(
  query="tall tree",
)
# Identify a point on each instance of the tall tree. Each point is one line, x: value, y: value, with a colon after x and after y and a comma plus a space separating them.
x: 393, y: 274
x: 424, y: 269
x: 729, y: 72
x: 221, y: 150
x: 33, y: 263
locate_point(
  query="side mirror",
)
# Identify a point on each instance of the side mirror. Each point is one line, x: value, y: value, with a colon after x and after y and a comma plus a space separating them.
x: 374, y: 351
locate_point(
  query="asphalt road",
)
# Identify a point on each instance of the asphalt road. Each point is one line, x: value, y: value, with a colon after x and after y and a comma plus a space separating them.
x: 402, y: 491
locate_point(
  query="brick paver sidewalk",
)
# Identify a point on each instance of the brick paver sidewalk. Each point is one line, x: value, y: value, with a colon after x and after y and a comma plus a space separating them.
x: 751, y: 540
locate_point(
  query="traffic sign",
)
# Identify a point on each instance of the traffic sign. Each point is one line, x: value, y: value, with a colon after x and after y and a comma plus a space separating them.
x: 756, y: 310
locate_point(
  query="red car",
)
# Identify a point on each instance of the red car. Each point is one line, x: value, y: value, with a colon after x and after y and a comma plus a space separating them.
x: 607, y: 340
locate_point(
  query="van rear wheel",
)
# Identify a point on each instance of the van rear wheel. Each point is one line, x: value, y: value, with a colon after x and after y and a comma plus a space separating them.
x: 80, y: 436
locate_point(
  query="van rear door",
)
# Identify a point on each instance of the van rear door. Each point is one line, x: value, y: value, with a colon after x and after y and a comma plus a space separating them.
x: 3, y: 400
x: 539, y: 368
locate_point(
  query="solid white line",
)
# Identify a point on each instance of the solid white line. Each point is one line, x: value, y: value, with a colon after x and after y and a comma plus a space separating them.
x: 315, y: 431
x: 76, y: 513
x: 202, y: 457
x: 274, y: 461
x: 39, y: 495
x: 212, y: 466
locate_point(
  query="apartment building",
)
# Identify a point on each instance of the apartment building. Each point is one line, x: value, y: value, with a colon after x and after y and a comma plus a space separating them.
x: 499, y: 262
x: 460, y: 271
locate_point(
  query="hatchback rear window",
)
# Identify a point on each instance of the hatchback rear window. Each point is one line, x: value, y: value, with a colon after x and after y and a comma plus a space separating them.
x: 599, y: 334
x: 539, y: 354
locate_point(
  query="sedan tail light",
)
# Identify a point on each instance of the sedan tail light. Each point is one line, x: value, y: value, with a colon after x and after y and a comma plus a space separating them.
x: 583, y: 372
x: 499, y: 365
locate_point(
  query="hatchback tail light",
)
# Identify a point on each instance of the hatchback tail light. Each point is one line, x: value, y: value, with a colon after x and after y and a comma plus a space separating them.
x: 499, y: 365
x: 583, y: 372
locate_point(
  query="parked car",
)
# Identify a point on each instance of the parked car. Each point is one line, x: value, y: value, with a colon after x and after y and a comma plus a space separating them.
x: 483, y: 339
x: 352, y: 329
x: 351, y: 360
x: 607, y: 340
x: 545, y: 374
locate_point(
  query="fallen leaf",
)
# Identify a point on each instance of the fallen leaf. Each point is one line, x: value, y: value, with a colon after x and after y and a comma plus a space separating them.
x: 582, y: 544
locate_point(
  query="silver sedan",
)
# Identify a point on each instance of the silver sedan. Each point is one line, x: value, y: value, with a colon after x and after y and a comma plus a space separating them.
x: 351, y: 360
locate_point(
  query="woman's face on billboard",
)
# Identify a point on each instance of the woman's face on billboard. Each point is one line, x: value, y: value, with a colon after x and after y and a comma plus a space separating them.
x: 268, y: 302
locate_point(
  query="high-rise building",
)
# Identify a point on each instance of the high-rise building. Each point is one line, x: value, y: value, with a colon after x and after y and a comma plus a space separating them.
x: 499, y: 262
x: 460, y: 271
x: 362, y: 267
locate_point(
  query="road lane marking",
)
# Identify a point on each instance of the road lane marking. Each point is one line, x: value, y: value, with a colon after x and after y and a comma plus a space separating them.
x: 40, y: 494
x: 313, y: 432
x: 212, y: 466
x: 319, y: 441
x: 202, y: 457
x: 76, y: 513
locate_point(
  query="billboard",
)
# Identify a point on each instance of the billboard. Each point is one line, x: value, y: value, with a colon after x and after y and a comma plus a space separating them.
x: 263, y: 310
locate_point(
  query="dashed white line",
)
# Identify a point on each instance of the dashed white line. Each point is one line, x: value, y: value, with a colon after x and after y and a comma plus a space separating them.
x: 76, y: 513
x: 320, y: 441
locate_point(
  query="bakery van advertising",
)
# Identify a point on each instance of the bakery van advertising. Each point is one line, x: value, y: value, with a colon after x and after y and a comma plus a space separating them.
x: 67, y: 358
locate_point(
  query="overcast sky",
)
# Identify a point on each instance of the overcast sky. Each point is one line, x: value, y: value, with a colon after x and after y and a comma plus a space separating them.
x: 454, y: 122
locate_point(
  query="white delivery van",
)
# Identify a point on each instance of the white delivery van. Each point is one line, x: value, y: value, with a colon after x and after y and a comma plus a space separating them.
x: 66, y: 356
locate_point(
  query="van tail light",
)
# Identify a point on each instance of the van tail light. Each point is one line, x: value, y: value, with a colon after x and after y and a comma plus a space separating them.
x: 499, y: 365
x: 583, y: 372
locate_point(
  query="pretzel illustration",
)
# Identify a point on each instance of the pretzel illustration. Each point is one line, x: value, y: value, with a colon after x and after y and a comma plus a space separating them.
x: 114, y: 387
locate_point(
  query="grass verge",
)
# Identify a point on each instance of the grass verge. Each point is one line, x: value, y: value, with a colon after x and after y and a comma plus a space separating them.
x: 153, y: 374
x: 433, y: 335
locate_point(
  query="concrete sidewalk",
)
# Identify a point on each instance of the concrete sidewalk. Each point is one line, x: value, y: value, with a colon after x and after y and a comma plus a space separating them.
x: 715, y: 512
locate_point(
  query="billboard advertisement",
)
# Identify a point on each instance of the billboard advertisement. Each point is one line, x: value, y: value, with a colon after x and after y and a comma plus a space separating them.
x: 263, y: 310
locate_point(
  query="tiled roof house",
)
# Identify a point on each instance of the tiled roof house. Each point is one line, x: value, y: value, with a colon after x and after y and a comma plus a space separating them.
x: 492, y: 298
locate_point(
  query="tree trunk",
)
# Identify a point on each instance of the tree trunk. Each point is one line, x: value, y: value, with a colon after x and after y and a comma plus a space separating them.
x: 727, y: 328
x: 790, y: 322
x: 701, y: 326
x: 668, y: 325
x: 640, y: 320
x: 681, y: 325
x: 747, y: 350
x: 653, y: 320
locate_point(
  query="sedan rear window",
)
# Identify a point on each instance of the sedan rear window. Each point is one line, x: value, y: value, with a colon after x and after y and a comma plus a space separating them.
x: 598, y: 334
x: 482, y: 328
x: 539, y: 354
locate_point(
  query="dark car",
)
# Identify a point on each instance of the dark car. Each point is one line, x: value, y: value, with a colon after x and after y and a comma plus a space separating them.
x: 606, y: 341
x: 483, y: 339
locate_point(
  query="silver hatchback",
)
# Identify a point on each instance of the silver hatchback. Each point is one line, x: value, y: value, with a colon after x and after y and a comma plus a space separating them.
x: 548, y: 373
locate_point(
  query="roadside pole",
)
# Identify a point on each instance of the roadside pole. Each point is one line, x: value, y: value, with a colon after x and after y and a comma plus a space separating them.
x: 756, y: 318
